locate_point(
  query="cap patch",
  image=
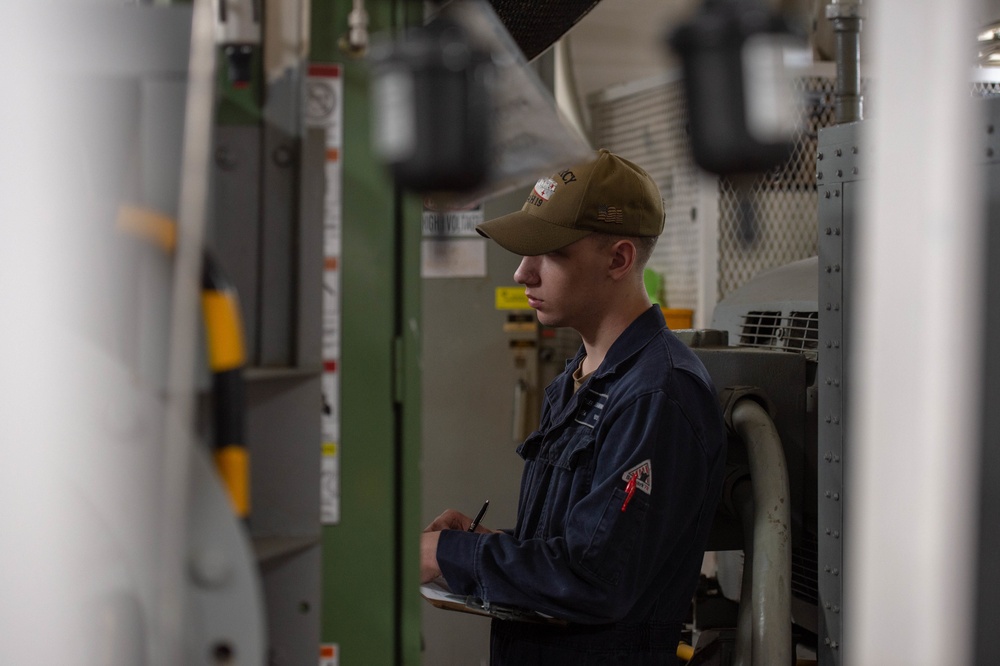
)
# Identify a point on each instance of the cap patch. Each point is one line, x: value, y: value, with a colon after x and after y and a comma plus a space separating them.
x: 644, y: 480
x: 544, y: 188
x: 611, y: 214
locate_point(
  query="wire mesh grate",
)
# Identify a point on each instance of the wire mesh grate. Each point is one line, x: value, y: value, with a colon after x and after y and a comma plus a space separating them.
x: 771, y: 220
x: 763, y: 223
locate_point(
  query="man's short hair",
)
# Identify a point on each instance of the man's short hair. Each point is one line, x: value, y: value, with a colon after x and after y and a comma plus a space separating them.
x: 644, y: 246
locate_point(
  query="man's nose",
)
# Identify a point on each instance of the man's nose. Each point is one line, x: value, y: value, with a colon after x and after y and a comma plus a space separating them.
x: 525, y: 273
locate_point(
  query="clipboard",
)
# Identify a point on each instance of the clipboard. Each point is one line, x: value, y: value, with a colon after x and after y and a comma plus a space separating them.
x: 439, y: 595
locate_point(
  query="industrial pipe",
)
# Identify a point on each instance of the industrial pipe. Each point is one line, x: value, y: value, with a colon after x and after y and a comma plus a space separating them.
x: 845, y: 17
x: 771, y: 552
x: 742, y: 500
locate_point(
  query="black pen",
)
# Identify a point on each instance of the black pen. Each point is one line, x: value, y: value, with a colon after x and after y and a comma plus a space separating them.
x: 479, y: 516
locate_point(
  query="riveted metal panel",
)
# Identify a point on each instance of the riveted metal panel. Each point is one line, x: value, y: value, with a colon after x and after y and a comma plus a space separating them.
x: 838, y: 168
x: 987, y: 573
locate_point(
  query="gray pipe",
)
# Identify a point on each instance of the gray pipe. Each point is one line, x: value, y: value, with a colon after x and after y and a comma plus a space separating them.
x: 771, y: 567
x: 845, y: 17
x: 742, y: 498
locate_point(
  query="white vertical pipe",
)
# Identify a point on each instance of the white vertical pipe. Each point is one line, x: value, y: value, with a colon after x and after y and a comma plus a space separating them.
x: 179, y: 434
x: 38, y: 592
x: 910, y: 511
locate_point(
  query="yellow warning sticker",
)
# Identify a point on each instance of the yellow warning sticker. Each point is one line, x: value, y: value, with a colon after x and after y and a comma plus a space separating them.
x: 511, y: 298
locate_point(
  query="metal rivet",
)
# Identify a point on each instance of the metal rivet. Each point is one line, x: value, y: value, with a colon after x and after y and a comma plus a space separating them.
x: 836, y: 458
x: 828, y: 531
x: 836, y: 497
x: 836, y: 232
x: 829, y: 419
x: 837, y: 194
x: 828, y: 457
x: 836, y: 268
x: 854, y: 149
x: 840, y: 172
x: 827, y: 195
x: 819, y: 176
x: 839, y: 152
x: 854, y: 171
x: 819, y: 156
x: 829, y: 231
x: 829, y: 494
x: 829, y: 269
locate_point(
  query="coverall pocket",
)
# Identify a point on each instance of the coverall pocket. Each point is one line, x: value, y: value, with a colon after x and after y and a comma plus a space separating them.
x: 562, y: 476
x: 615, y: 536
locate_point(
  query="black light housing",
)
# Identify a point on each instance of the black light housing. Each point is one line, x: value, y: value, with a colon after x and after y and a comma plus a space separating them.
x: 434, y: 108
x: 731, y: 54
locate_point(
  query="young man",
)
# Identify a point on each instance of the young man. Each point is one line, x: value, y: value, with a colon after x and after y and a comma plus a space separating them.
x: 622, y: 476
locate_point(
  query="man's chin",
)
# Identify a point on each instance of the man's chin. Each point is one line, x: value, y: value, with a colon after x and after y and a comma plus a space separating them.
x: 547, y: 319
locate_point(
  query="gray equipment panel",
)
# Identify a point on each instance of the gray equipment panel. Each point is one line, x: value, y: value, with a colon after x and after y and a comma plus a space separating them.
x: 838, y: 172
x: 987, y: 646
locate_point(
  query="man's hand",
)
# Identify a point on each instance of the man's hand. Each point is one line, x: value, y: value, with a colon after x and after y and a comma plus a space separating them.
x: 429, y: 569
x: 454, y: 520
x: 449, y: 520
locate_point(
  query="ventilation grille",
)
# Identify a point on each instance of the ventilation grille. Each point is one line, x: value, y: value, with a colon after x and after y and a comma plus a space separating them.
x: 794, y: 332
x: 985, y: 89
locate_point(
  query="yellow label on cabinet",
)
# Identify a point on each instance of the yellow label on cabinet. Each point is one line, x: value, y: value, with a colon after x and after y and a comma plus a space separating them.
x: 511, y: 298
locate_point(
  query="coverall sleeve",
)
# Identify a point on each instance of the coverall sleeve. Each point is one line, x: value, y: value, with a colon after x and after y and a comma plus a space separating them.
x: 595, y: 569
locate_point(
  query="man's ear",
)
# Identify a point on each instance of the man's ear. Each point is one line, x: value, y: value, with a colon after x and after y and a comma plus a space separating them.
x: 623, y: 257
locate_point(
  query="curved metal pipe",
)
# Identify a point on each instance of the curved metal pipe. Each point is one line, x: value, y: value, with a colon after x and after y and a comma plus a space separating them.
x: 771, y: 567
x: 742, y: 497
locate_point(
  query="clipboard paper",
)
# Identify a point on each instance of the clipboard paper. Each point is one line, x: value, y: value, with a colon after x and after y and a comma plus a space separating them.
x: 439, y: 595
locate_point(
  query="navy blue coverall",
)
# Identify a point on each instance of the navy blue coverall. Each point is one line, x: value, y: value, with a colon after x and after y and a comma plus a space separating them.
x: 620, y: 567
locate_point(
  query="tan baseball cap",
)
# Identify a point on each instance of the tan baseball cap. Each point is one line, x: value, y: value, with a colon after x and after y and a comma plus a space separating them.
x: 608, y: 194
